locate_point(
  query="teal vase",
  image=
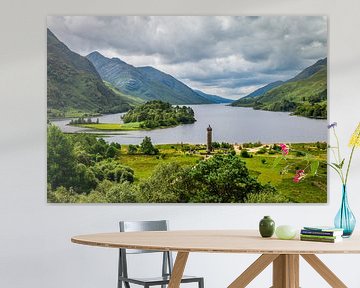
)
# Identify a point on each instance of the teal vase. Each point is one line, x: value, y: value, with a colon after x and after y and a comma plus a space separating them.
x: 266, y: 227
x: 345, y: 219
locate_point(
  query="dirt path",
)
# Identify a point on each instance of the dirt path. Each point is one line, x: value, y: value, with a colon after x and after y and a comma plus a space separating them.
x: 251, y: 150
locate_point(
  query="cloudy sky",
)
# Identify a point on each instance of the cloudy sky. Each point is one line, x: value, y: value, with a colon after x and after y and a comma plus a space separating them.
x: 226, y: 56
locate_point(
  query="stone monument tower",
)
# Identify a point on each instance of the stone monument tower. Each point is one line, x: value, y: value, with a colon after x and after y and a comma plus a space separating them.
x: 209, y: 139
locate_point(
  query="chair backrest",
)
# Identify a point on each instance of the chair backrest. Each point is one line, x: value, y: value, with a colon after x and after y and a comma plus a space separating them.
x: 134, y: 226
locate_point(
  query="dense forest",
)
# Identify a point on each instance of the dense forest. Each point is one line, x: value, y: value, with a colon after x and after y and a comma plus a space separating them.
x: 157, y: 113
x: 82, y: 168
x: 313, y: 106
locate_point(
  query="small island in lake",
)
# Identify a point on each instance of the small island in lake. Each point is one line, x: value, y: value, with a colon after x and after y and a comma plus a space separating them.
x: 156, y: 114
x: 150, y: 115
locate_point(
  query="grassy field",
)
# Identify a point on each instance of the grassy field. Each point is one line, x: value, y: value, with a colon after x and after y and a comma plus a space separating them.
x: 131, y: 126
x: 313, y: 189
x: 112, y: 126
x: 69, y: 113
x: 144, y: 165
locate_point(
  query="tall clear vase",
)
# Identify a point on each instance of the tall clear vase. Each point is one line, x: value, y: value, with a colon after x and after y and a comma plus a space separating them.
x: 345, y: 219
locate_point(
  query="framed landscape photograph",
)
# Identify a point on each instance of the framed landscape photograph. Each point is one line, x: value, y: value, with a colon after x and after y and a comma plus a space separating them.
x: 187, y: 109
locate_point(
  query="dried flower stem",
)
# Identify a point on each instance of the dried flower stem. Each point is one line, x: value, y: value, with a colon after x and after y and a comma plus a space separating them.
x: 348, y: 167
x: 354, y: 141
x: 340, y: 171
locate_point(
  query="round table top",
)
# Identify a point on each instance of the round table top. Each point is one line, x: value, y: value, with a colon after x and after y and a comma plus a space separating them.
x: 217, y: 241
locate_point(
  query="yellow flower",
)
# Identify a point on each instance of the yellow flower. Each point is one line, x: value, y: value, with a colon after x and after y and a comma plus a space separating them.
x: 355, y: 138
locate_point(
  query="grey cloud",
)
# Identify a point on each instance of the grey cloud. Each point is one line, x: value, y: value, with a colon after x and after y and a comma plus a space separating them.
x: 223, y: 51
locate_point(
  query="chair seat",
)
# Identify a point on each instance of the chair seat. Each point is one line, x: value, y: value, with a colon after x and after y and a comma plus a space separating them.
x: 158, y: 280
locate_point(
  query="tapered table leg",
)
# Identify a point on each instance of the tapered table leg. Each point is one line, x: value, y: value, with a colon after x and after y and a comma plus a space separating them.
x: 286, y: 271
x: 324, y: 271
x: 253, y: 270
x: 178, y: 270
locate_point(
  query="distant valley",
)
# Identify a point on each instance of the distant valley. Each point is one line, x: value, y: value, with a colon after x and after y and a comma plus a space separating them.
x: 95, y: 84
x: 148, y: 83
x: 304, y: 95
x: 79, y: 86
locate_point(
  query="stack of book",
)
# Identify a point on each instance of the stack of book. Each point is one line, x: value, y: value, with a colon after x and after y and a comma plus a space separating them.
x: 321, y: 234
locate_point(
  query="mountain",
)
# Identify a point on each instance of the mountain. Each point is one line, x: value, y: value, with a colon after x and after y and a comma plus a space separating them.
x: 305, y: 94
x: 248, y: 99
x: 147, y: 83
x: 132, y: 100
x: 264, y: 89
x: 74, y: 87
x: 311, y: 70
x: 214, y: 98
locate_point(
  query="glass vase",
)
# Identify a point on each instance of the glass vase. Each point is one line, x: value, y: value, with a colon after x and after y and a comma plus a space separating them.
x: 345, y: 219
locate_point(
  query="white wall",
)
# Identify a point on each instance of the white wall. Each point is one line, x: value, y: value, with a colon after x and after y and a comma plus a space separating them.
x: 35, y: 248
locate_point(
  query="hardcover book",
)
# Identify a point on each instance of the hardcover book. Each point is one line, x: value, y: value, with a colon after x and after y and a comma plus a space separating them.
x: 323, y: 239
x: 323, y: 228
x: 322, y: 232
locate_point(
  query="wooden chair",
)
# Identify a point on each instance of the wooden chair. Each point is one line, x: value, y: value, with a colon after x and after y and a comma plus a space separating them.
x: 167, y: 262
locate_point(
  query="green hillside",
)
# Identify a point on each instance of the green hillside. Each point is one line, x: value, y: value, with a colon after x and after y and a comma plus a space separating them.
x: 305, y: 96
x: 133, y: 100
x: 74, y: 87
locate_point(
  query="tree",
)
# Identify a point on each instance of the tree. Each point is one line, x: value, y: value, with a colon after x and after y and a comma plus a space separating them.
x: 81, y: 155
x: 245, y: 154
x: 112, y: 170
x: 99, y: 147
x: 61, y: 162
x: 85, y: 179
x: 111, y: 152
x: 132, y: 149
x: 62, y: 195
x: 147, y: 147
x: 222, y: 179
x: 166, y: 185
x: 122, y: 193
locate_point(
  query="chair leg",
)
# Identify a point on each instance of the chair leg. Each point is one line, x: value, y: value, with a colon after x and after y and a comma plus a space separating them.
x: 126, y: 284
x: 201, y: 283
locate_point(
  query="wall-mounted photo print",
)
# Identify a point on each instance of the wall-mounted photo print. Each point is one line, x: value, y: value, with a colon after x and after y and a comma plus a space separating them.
x: 187, y: 109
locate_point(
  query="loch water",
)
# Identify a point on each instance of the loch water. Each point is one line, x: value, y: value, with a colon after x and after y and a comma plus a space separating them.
x: 229, y: 124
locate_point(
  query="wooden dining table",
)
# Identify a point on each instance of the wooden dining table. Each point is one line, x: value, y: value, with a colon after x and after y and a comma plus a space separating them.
x: 283, y: 254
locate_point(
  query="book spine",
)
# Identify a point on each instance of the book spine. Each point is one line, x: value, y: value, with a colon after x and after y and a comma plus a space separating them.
x: 319, y: 236
x: 318, y: 239
x: 320, y: 233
